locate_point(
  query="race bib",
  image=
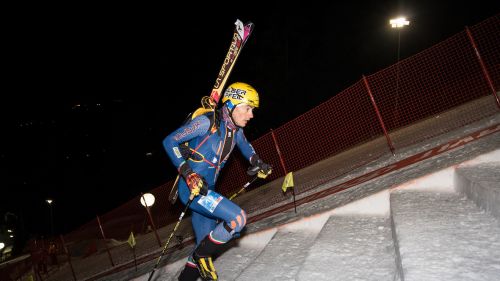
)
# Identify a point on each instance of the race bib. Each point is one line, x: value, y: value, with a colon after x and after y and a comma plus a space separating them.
x: 210, y: 201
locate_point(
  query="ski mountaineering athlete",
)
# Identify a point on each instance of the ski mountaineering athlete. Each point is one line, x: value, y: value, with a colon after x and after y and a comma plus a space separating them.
x: 199, y: 150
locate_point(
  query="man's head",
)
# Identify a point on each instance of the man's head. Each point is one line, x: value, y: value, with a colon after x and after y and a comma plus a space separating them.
x: 240, y: 100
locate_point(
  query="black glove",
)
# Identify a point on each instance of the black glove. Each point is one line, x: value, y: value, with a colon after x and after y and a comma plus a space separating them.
x: 196, y: 183
x: 185, y: 151
x: 259, y: 168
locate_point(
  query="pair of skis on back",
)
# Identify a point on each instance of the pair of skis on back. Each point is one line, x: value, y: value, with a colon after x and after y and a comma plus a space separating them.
x: 209, y: 103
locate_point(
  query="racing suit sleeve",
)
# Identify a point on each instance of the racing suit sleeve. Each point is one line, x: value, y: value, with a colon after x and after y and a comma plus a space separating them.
x: 244, y: 146
x: 195, y: 128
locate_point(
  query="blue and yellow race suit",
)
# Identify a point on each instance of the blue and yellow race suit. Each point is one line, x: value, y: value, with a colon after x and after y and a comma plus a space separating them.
x: 210, y: 143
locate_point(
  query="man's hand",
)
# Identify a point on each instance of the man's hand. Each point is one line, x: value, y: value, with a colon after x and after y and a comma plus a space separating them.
x: 197, y: 184
x: 259, y: 168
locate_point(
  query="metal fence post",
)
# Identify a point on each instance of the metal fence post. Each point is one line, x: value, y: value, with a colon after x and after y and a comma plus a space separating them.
x: 389, y: 142
x: 69, y: 257
x: 104, y: 239
x: 283, y: 166
x: 483, y: 67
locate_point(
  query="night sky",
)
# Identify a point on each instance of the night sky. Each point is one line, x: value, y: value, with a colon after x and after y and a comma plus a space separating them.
x: 89, y: 92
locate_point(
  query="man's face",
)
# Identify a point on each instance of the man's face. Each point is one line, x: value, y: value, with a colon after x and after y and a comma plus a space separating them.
x: 242, y: 114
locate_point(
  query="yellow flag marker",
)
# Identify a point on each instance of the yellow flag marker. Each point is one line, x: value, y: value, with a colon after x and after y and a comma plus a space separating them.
x: 131, y: 240
x: 288, y: 182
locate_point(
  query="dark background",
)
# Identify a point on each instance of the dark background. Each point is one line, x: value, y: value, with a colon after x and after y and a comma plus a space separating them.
x: 89, y: 92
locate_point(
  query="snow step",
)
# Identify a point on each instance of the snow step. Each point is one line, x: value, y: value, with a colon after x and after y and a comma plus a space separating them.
x: 444, y: 236
x: 481, y: 184
x: 283, y: 256
x: 241, y: 253
x: 352, y: 248
x: 169, y: 272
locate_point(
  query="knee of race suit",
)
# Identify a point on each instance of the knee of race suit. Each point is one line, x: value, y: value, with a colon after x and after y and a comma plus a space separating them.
x: 237, y: 224
x: 227, y: 230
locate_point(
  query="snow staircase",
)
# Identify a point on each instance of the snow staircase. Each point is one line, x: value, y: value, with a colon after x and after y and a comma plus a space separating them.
x: 443, y: 226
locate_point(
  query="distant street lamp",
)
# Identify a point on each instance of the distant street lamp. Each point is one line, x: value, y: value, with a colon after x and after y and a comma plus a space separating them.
x: 398, y: 23
x: 147, y: 200
x: 50, y: 201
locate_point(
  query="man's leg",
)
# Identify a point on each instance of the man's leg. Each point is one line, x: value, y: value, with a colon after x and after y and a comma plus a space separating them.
x: 233, y: 220
x: 201, y: 226
x: 190, y: 271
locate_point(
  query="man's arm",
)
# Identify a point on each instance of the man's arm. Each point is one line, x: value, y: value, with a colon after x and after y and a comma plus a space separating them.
x: 244, y: 146
x: 196, y: 127
x: 258, y: 167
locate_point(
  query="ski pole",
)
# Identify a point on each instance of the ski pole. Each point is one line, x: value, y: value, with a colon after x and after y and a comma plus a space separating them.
x: 243, y: 188
x: 170, y: 237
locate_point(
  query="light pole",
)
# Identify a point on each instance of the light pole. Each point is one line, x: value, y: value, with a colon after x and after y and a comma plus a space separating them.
x: 147, y: 200
x: 398, y: 23
x: 50, y: 201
